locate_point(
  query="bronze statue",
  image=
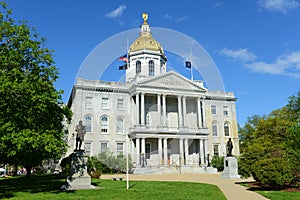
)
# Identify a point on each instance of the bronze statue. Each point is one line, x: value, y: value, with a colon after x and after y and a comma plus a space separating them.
x: 229, y: 147
x: 80, y: 129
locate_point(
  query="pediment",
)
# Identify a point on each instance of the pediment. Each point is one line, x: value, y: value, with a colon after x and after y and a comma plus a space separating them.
x: 171, y: 80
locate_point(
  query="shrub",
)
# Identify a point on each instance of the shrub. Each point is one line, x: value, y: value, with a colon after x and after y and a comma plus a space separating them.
x: 218, y: 162
x: 95, y: 167
x: 274, y: 172
x: 65, y: 165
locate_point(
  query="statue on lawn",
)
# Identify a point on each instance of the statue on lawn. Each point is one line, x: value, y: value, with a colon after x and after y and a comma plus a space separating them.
x: 229, y: 147
x: 80, y: 129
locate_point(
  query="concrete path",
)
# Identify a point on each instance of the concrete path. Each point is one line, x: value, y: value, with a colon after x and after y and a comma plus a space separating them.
x: 231, y: 190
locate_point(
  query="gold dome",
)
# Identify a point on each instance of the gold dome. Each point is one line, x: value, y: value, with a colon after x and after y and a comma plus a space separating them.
x: 145, y: 41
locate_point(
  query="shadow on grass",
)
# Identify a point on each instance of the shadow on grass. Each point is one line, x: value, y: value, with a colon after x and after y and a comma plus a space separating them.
x: 256, y: 186
x: 34, y: 184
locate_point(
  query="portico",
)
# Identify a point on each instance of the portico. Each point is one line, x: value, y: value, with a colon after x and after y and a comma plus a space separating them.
x: 169, y: 128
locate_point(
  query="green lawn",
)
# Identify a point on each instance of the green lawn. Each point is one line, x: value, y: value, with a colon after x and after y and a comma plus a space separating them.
x: 47, y: 187
x: 280, y: 195
x: 275, y: 195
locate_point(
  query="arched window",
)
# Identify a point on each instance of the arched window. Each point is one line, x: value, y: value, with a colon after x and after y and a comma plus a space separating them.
x: 226, y: 129
x: 214, y: 129
x: 151, y: 68
x: 138, y: 68
x: 120, y: 125
x: 88, y: 123
x: 104, y: 124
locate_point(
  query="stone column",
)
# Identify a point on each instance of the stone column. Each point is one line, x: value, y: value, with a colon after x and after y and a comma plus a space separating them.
x: 132, y: 114
x: 184, y: 110
x: 142, y: 109
x: 186, y: 151
x: 199, y: 113
x: 179, y: 111
x: 158, y: 110
x: 164, y: 110
x: 143, y: 150
x: 181, y: 157
x: 201, y: 156
x: 203, y: 114
x: 165, y: 151
x: 159, y: 151
x: 205, y: 150
x: 137, y: 103
x: 132, y: 150
x: 138, y: 160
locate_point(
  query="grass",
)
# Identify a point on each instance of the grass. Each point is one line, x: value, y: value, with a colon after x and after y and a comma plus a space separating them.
x: 280, y: 195
x: 47, y: 187
x: 293, y: 194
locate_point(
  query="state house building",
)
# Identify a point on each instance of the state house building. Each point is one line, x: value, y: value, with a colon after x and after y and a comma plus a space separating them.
x: 160, y: 117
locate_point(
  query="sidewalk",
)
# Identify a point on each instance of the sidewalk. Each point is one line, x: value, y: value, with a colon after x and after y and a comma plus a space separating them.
x: 231, y: 190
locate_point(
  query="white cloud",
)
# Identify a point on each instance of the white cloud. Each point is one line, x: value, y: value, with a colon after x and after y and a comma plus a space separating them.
x: 241, y: 54
x: 181, y: 19
x: 170, y: 17
x: 117, y: 12
x: 284, y: 65
x: 218, y: 4
x: 278, y: 5
x: 287, y: 64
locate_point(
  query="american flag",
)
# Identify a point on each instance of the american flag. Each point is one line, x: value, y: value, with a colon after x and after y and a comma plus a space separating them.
x: 124, y: 58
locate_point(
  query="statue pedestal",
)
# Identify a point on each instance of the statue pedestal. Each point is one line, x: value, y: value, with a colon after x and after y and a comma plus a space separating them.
x: 230, y: 168
x: 78, y: 178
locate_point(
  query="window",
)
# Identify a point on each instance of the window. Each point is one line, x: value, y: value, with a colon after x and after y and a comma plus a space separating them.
x: 120, y: 125
x: 226, y: 129
x: 225, y: 110
x: 216, y: 150
x: 88, y: 123
x: 138, y: 68
x: 213, y: 110
x: 214, y: 129
x: 103, y: 146
x: 87, y: 148
x: 151, y: 68
x: 88, y: 102
x: 119, y: 148
x: 104, y: 124
x: 120, y: 104
x: 105, y: 103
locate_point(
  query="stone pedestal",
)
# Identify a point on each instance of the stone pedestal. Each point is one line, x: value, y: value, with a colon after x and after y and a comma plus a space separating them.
x: 230, y: 168
x: 78, y: 178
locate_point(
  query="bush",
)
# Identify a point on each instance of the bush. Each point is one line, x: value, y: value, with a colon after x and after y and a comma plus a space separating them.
x: 107, y: 162
x: 95, y: 167
x: 65, y: 165
x: 218, y: 162
x: 274, y: 172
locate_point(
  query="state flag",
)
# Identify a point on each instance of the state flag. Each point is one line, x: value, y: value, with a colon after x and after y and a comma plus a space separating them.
x: 123, y: 67
x: 188, y: 64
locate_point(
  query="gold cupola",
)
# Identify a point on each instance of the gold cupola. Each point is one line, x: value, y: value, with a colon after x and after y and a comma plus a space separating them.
x: 145, y: 41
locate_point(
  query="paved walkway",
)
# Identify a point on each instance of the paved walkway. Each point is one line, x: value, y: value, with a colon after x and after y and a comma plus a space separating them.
x: 231, y: 190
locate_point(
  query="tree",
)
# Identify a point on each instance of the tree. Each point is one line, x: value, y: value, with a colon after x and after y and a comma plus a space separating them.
x: 270, y: 146
x: 32, y: 111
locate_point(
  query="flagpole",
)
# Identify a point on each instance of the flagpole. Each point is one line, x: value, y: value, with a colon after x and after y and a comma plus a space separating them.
x: 192, y: 75
x: 127, y: 164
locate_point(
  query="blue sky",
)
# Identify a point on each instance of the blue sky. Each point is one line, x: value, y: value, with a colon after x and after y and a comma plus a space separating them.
x: 255, y: 44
